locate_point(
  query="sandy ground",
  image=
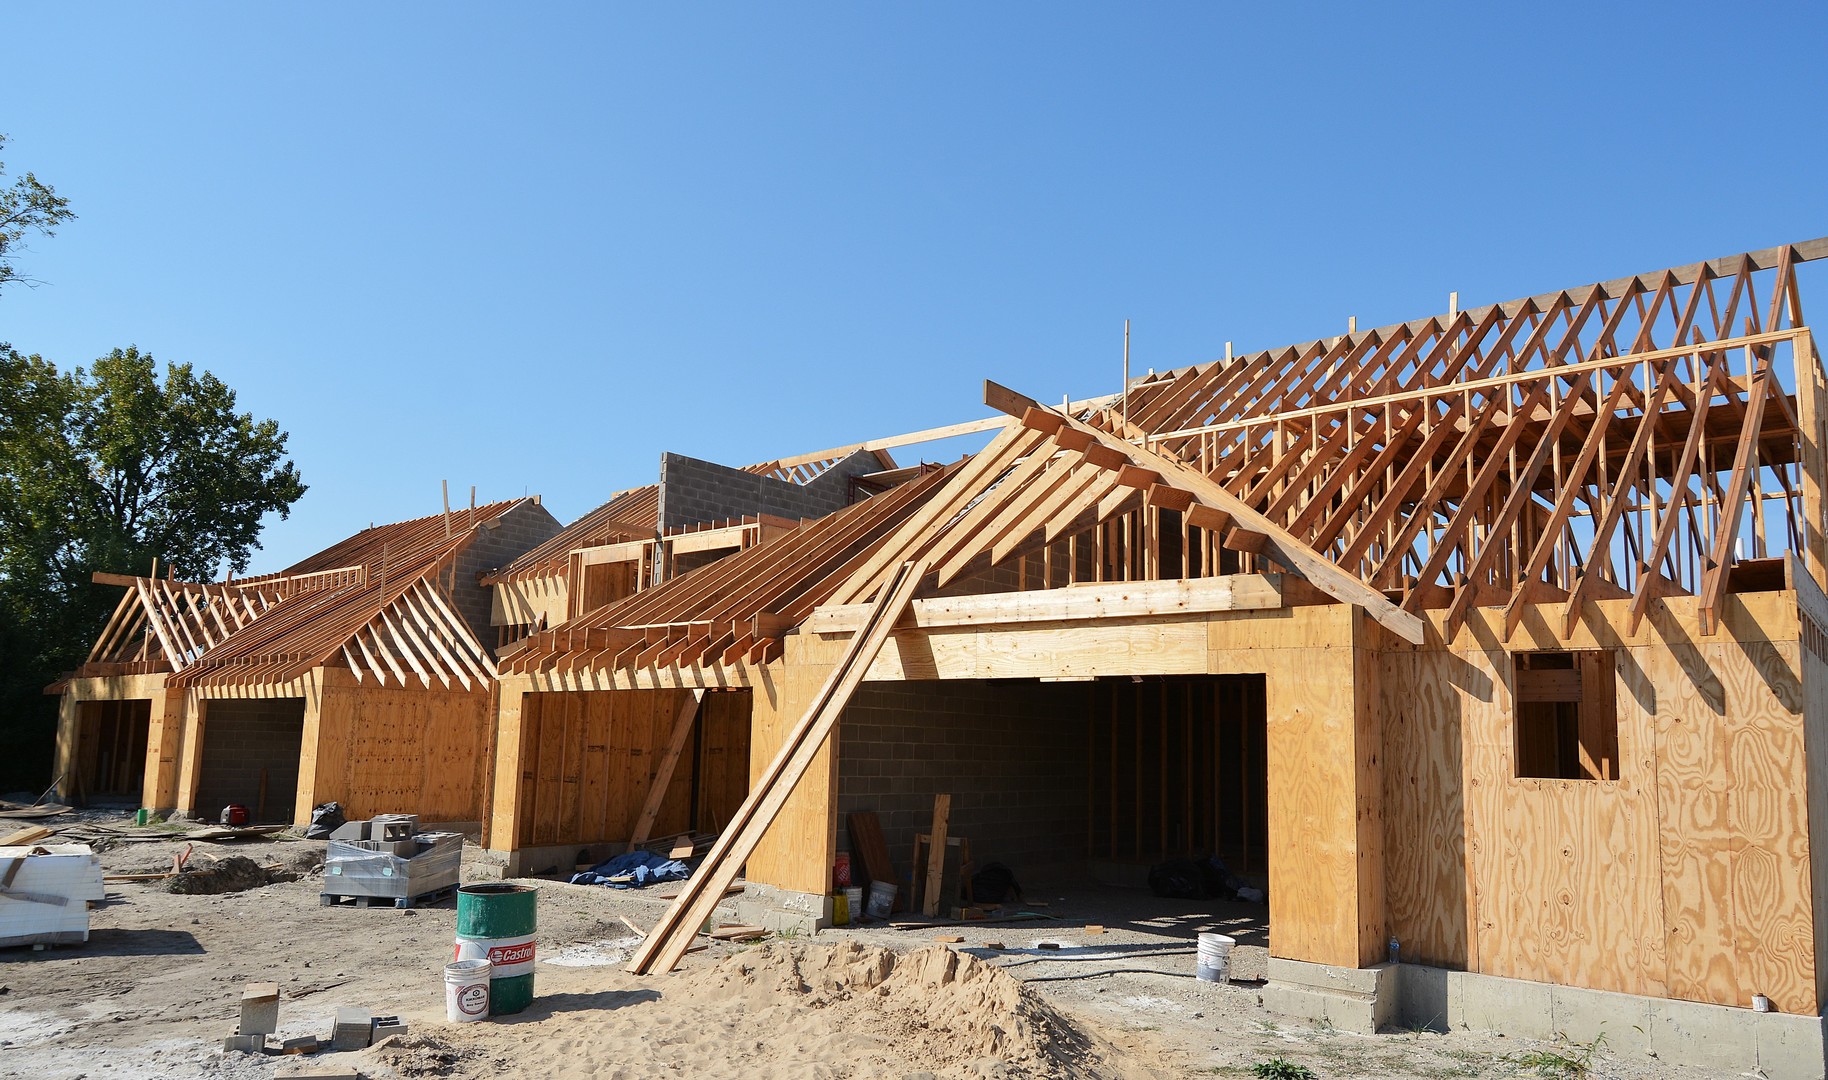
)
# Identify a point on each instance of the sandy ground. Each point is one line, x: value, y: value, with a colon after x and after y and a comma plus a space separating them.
x: 157, y: 987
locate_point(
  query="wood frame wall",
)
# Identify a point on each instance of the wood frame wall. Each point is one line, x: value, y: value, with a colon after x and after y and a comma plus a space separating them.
x: 576, y: 760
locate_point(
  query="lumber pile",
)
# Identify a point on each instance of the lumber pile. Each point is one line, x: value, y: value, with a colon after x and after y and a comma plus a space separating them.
x: 45, y: 893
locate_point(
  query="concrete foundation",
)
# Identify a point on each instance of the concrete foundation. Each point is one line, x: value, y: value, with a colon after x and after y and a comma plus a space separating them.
x: 1365, y: 1000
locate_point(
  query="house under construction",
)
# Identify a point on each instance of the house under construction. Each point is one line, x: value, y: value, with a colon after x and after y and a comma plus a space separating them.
x: 359, y: 675
x: 1497, y: 633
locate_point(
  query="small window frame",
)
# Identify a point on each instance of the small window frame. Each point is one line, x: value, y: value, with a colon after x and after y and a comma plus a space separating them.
x: 1565, y: 716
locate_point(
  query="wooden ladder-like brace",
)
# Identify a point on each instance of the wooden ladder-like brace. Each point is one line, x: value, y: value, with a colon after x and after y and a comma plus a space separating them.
x: 663, y: 947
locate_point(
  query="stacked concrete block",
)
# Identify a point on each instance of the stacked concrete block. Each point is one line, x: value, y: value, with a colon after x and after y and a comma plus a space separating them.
x: 1012, y: 756
x: 514, y: 533
x: 693, y: 492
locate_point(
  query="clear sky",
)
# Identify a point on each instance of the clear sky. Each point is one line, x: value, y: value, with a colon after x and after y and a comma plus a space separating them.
x: 529, y: 247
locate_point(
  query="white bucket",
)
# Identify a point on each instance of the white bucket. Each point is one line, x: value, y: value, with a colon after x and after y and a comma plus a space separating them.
x: 1213, y: 964
x: 882, y: 899
x: 466, y: 990
x: 853, y: 899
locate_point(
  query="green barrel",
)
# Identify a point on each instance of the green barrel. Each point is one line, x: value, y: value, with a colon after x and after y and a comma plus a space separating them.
x: 496, y: 922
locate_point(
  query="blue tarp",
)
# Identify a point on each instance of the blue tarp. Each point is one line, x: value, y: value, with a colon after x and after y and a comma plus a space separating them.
x: 636, y: 870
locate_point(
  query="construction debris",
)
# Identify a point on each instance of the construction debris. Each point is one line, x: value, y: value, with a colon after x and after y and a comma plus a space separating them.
x: 237, y: 873
x: 354, y: 1029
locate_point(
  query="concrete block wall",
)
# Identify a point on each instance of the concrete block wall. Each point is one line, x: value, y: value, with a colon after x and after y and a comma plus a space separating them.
x: 1012, y: 754
x: 241, y: 738
x: 693, y: 491
x: 519, y: 530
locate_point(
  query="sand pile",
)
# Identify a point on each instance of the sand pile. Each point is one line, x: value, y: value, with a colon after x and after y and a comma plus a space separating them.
x: 781, y: 1011
x: 949, y: 1011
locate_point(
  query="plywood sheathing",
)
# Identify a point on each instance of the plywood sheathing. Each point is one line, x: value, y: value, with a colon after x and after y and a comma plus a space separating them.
x: 1688, y: 877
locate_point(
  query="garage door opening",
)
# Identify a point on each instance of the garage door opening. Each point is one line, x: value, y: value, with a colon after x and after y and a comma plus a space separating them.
x: 111, y: 751
x: 251, y: 749
x: 1084, y: 790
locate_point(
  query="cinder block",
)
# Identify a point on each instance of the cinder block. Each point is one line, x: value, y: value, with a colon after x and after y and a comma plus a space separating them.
x: 260, y: 1008
x: 247, y: 1044
x: 385, y: 1026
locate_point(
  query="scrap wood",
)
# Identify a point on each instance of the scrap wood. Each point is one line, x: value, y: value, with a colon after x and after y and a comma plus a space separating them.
x: 20, y: 810
x: 738, y: 932
x: 117, y: 878
x: 31, y: 834
x: 949, y: 939
x: 630, y: 923
x: 243, y: 833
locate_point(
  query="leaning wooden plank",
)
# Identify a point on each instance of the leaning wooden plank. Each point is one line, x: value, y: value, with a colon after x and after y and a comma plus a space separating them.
x: 936, y: 854
x: 663, y: 948
x: 663, y: 775
x: 1284, y: 548
x: 868, y: 843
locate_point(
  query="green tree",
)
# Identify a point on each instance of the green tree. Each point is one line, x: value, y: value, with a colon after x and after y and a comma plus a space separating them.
x: 106, y: 469
x: 29, y: 206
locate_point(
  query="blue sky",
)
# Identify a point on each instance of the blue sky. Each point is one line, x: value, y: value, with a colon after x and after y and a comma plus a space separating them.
x: 530, y: 247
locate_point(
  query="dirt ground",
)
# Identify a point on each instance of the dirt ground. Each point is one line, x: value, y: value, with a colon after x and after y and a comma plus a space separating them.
x: 157, y: 987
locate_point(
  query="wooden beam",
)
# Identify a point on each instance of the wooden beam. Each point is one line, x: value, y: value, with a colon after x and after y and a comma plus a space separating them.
x: 1745, y: 459
x: 936, y: 854
x: 663, y: 771
x: 1300, y: 559
x: 1812, y: 422
x: 1077, y: 603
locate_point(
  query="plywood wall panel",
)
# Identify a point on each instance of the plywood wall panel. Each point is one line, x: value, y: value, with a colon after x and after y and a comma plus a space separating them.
x: 796, y: 852
x: 1768, y: 811
x: 1696, y: 837
x: 1318, y: 905
x: 1425, y: 856
x: 1814, y: 657
x: 398, y: 750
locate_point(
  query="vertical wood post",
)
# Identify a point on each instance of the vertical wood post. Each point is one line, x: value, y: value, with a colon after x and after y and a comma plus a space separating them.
x: 1811, y: 390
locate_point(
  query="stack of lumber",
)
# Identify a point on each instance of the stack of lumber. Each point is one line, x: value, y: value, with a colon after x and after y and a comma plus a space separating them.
x: 45, y: 893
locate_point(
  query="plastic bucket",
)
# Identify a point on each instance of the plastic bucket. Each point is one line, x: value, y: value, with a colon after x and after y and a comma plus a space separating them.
x: 840, y: 909
x: 496, y: 923
x: 466, y: 991
x: 882, y: 899
x: 853, y: 900
x: 1213, y: 963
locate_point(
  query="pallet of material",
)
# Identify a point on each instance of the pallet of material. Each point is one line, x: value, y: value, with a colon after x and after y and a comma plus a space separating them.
x: 45, y: 893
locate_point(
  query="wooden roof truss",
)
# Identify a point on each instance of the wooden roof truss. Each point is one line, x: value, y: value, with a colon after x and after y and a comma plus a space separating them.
x: 1632, y: 438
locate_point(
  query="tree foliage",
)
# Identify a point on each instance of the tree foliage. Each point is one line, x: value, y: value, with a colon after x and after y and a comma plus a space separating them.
x: 28, y: 206
x: 106, y: 469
